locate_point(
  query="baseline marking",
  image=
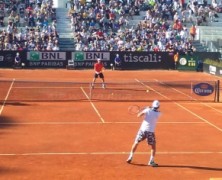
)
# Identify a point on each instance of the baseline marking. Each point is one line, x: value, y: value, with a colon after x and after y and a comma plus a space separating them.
x: 103, y: 153
x: 73, y: 123
x: 191, y: 112
x: 6, y: 97
x: 94, y: 107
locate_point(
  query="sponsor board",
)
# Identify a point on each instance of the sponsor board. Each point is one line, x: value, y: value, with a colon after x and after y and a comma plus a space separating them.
x: 203, y: 89
x: 187, y: 62
x: 46, y: 64
x: 87, y: 64
x: 132, y: 58
x: 45, y: 56
x: 212, y: 69
x: 90, y: 56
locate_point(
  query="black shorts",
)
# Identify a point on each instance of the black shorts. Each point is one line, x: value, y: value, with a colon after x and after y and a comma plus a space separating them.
x: 99, y: 75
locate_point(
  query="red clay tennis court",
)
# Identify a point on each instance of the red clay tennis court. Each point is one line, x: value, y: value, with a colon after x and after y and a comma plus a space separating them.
x: 53, y: 126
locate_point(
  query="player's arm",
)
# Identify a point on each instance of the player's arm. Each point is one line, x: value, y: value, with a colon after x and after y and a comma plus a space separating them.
x: 142, y: 112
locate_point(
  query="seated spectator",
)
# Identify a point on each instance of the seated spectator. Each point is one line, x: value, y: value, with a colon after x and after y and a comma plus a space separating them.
x: 2, y: 16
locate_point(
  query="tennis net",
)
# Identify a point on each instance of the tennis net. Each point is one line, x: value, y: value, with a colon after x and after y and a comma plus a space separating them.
x: 18, y: 90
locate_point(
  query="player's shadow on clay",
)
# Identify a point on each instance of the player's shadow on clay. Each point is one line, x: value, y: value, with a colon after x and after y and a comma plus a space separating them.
x: 183, y: 166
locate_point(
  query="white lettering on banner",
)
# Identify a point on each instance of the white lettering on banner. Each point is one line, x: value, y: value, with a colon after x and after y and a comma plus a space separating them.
x: 104, y: 56
x: 79, y: 64
x: 148, y: 58
x: 220, y: 71
x: 87, y: 64
x: 1, y: 58
x: 39, y: 56
x: 45, y: 64
x: 53, y: 56
x: 199, y: 90
x: 212, y: 69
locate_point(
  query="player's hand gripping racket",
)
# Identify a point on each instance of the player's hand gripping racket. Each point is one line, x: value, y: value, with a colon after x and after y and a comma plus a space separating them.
x: 135, y: 109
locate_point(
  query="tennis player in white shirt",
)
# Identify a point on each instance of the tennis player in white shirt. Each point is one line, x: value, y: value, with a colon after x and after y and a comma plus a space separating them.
x: 147, y: 131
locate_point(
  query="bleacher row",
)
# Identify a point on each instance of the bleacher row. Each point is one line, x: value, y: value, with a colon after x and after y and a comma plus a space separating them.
x: 141, y: 25
x: 138, y: 31
x: 28, y: 25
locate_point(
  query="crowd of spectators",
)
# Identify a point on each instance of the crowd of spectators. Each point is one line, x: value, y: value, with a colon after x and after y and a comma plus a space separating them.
x: 28, y: 25
x: 104, y: 25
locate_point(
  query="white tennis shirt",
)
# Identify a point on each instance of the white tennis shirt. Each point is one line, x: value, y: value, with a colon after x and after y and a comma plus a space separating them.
x: 150, y: 120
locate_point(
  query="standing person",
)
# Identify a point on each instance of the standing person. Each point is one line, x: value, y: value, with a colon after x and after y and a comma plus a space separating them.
x: 17, y: 60
x: 193, y: 32
x: 98, y: 68
x: 176, y: 58
x: 117, y: 61
x: 147, y: 131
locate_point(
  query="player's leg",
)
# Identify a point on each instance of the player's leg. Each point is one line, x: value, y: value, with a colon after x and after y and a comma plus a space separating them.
x: 103, y: 80
x: 133, y: 149
x: 139, y: 137
x: 94, y: 80
x: 152, y: 142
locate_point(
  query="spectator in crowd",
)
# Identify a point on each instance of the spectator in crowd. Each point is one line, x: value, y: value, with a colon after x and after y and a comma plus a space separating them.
x: 193, y: 32
x: 105, y: 26
x: 29, y: 26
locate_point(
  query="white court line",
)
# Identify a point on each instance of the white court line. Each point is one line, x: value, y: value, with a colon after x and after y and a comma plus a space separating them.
x: 74, y: 123
x: 6, y: 97
x: 191, y: 112
x: 107, y: 153
x: 94, y: 107
x: 45, y: 87
x: 205, y: 104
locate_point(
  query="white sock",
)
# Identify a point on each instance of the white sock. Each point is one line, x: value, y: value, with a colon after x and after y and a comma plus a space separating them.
x: 151, y: 158
x: 131, y: 155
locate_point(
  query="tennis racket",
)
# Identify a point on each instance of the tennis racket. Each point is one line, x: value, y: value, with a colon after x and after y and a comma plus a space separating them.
x: 135, y: 109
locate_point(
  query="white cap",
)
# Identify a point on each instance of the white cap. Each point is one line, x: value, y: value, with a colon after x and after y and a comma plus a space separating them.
x: 155, y: 104
x: 98, y: 59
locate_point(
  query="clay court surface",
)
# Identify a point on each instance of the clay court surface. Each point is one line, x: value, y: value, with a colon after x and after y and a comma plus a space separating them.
x: 47, y: 134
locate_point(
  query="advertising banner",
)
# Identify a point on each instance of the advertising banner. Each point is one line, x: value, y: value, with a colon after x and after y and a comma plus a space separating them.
x: 214, y: 70
x: 187, y: 62
x: 87, y: 59
x: 143, y: 60
x: 7, y: 58
x: 36, y: 59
